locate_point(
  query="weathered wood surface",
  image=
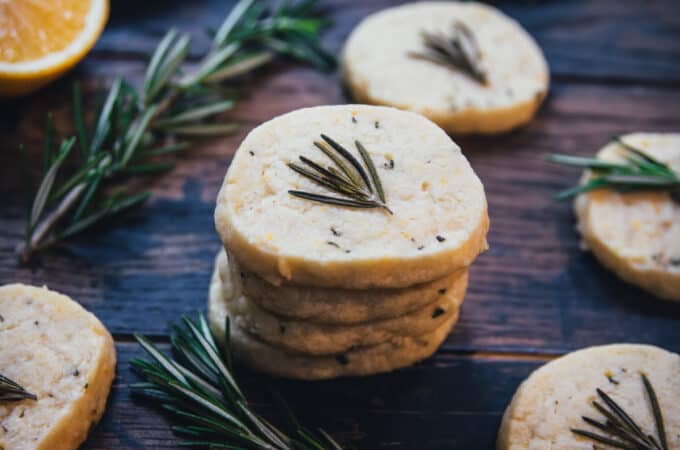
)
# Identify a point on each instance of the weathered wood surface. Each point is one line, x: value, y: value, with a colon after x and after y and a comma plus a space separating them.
x: 616, y: 68
x: 446, y: 402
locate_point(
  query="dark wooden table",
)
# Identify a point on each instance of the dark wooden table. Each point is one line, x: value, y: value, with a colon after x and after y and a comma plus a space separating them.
x: 615, y: 68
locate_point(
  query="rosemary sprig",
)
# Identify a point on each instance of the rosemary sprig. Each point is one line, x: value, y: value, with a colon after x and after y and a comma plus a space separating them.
x: 458, y: 50
x: 620, y: 430
x: 12, y: 391
x: 639, y: 172
x: 136, y: 125
x: 359, y: 187
x: 199, y: 389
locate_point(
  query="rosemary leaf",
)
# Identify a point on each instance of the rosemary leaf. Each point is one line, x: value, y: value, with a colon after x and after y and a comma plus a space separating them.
x: 46, y: 186
x: 348, y: 178
x: 206, y: 412
x: 656, y: 411
x: 621, y: 429
x: 350, y: 158
x: 11, y: 391
x: 458, y: 50
x: 642, y: 172
x: 195, y: 114
x: 134, y: 125
x: 371, y: 170
x: 204, y: 130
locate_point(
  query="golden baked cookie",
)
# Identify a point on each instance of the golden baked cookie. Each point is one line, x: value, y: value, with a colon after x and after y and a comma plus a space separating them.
x: 61, y: 353
x: 382, y: 65
x: 324, y: 339
x: 439, y: 214
x: 553, y: 400
x: 361, y: 361
x: 636, y: 234
x: 336, y: 306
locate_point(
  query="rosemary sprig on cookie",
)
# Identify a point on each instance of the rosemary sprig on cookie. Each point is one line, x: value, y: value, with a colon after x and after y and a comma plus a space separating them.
x: 11, y: 391
x: 136, y: 126
x: 458, y: 50
x: 199, y: 389
x: 640, y: 172
x: 620, y: 429
x: 358, y: 186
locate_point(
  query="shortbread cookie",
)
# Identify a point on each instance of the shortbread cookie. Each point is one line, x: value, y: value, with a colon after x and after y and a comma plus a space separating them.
x: 336, y: 306
x: 323, y: 339
x: 636, y: 234
x: 553, y: 400
x: 380, y: 68
x: 439, y: 215
x: 61, y: 353
x: 360, y: 361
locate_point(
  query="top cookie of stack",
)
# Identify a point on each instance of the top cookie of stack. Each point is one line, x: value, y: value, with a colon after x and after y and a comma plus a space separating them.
x: 434, y: 224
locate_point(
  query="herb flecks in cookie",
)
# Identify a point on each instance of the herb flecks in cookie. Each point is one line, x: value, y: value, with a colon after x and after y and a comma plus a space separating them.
x: 640, y: 172
x: 458, y: 50
x: 619, y: 429
x: 359, y: 185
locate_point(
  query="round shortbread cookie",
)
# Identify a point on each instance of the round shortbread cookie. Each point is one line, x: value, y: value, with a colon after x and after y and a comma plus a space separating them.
x: 61, y: 353
x: 554, y: 398
x: 340, y: 306
x: 267, y: 358
x: 379, y: 67
x: 636, y: 234
x: 323, y: 339
x: 439, y: 221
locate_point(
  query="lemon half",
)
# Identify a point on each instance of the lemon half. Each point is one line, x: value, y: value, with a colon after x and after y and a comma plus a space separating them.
x: 42, y: 39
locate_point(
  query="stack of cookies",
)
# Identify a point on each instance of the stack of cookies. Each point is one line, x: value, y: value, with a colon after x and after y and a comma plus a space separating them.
x: 348, y: 232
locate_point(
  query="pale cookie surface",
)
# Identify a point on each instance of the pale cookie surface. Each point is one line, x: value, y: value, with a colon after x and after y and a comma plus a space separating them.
x: 361, y: 361
x: 61, y: 353
x: 636, y: 235
x: 440, y: 216
x: 379, y: 70
x: 336, y: 306
x: 556, y: 396
x: 323, y: 339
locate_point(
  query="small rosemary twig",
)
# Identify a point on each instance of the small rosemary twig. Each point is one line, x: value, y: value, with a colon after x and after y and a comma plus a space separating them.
x: 12, y: 391
x: 639, y: 172
x: 359, y: 187
x: 458, y: 50
x: 620, y: 429
x: 199, y: 389
x: 135, y: 126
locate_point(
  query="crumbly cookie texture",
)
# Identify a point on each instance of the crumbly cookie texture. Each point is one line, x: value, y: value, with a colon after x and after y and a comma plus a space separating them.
x: 378, y: 68
x: 440, y: 215
x: 275, y: 360
x: 324, y: 339
x: 334, y: 306
x: 556, y: 396
x: 637, y: 234
x: 61, y: 353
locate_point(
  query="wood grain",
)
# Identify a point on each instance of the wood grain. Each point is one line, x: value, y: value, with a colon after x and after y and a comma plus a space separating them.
x: 371, y: 413
x: 535, y: 294
x: 609, y: 40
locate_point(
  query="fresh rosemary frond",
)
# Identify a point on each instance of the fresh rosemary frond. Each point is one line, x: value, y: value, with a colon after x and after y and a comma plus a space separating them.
x: 639, y: 172
x: 134, y: 126
x: 11, y: 391
x: 459, y: 50
x: 620, y: 430
x: 199, y: 389
x: 359, y: 187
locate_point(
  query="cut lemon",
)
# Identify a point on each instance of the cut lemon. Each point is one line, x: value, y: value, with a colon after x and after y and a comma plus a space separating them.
x: 42, y: 39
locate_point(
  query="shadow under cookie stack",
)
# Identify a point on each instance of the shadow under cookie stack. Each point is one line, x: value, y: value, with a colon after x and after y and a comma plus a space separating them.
x: 313, y: 290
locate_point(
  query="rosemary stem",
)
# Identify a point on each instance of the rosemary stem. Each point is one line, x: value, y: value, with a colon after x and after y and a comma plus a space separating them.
x: 46, y: 225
